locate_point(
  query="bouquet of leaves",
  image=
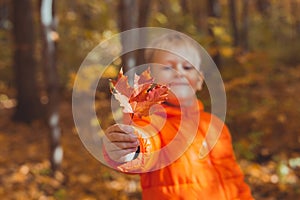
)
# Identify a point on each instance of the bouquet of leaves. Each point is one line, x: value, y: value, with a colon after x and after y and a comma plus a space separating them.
x: 137, y: 100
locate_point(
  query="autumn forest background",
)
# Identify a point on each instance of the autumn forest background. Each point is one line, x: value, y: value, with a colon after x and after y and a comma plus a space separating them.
x: 255, y: 44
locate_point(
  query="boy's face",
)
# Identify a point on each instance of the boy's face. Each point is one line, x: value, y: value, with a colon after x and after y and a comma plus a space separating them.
x: 182, y: 77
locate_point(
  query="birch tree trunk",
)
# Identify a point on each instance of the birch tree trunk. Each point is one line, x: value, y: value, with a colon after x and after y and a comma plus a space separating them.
x: 49, y: 38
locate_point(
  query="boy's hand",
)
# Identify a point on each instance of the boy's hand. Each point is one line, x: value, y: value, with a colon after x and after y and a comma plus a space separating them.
x: 120, y: 142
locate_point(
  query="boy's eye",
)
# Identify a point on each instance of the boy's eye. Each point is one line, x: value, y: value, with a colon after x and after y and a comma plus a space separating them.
x: 167, y: 67
x: 188, y: 67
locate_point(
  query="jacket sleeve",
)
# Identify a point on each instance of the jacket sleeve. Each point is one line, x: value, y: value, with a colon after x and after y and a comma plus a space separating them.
x: 231, y: 175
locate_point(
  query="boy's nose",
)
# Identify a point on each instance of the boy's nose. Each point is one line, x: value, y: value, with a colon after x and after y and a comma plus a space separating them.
x: 179, y: 69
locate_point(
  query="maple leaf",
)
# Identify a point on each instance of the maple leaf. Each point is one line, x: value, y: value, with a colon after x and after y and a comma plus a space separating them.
x: 147, y: 98
x: 121, y: 85
x: 142, y: 96
x: 127, y: 108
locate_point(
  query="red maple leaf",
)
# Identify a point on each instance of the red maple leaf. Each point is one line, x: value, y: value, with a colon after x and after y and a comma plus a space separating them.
x: 121, y: 85
x: 139, y: 98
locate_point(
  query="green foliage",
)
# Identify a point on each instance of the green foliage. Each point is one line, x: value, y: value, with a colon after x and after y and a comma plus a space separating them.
x: 60, y: 194
x: 247, y: 147
x: 43, y: 171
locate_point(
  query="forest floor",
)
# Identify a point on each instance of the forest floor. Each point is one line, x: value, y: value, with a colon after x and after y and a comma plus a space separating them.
x: 263, y: 116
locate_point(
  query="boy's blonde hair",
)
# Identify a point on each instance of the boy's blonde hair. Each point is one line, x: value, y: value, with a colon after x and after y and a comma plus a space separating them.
x: 172, y: 42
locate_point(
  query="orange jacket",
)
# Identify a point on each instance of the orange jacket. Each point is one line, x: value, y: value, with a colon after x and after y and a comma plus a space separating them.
x: 202, y: 166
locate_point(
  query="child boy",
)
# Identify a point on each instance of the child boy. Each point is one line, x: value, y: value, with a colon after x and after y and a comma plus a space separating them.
x: 177, y: 159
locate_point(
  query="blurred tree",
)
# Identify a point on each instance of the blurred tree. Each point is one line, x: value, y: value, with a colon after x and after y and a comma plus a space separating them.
x: 233, y: 20
x: 133, y: 14
x: 214, y: 13
x: 49, y: 38
x: 295, y: 13
x: 4, y: 22
x: 245, y: 25
x: 263, y: 7
x: 28, y: 103
x: 144, y: 13
x: 200, y: 16
x: 184, y: 6
x: 128, y: 19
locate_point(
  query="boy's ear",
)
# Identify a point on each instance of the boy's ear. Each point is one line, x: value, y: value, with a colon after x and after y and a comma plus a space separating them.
x: 200, y: 81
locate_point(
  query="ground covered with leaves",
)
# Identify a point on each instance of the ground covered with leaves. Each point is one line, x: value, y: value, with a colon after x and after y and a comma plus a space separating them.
x: 263, y: 116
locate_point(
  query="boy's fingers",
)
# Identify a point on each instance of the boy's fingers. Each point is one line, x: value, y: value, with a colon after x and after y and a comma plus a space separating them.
x: 121, y: 137
x: 124, y: 151
x: 121, y: 133
x: 122, y: 128
x: 125, y: 145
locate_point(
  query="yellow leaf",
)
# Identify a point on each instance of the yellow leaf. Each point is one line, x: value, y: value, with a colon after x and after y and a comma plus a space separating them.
x: 227, y: 51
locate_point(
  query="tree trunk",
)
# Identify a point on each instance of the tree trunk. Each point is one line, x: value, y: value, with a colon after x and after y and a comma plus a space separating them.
x: 214, y: 11
x: 28, y: 106
x: 200, y: 16
x: 49, y: 38
x: 233, y: 20
x: 263, y: 7
x: 245, y: 26
x: 184, y: 7
x: 144, y: 13
x: 128, y: 19
x: 4, y: 22
x: 295, y: 13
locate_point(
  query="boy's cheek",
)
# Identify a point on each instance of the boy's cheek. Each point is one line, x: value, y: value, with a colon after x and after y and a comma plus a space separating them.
x: 161, y: 78
x: 163, y: 81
